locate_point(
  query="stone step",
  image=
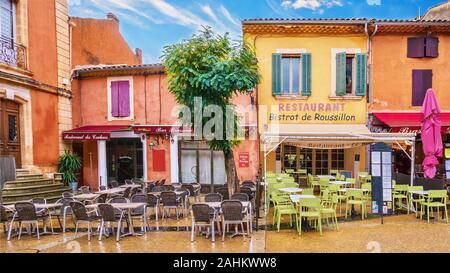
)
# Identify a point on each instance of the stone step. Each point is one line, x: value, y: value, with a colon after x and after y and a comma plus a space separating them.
x: 30, y: 176
x: 27, y: 183
x: 31, y: 189
x: 50, y: 195
x: 22, y: 171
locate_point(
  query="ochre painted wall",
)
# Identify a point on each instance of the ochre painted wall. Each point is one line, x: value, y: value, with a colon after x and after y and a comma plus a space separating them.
x: 97, y: 41
x: 392, y: 73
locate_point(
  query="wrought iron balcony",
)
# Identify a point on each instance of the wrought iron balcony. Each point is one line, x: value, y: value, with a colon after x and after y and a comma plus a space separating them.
x: 12, y: 53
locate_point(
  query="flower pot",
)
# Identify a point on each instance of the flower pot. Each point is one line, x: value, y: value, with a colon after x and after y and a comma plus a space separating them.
x: 74, y: 186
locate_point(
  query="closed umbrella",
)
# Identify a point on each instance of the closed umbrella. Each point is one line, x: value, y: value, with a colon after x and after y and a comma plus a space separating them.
x: 431, y: 134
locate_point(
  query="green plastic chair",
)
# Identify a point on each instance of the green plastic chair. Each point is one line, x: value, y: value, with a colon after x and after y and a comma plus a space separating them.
x: 290, y: 185
x: 329, y: 210
x: 283, y: 206
x: 356, y: 197
x: 313, y: 181
x: 400, y: 193
x: 324, y: 183
x: 270, y: 174
x: 302, y: 175
x: 368, y: 192
x: 288, y: 179
x: 284, y: 175
x: 415, y: 201
x: 309, y: 191
x: 310, y: 209
x: 289, y: 171
x: 435, y: 199
x: 351, y: 180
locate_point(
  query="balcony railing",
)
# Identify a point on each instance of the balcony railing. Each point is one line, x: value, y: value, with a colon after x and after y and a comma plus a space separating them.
x: 12, y: 53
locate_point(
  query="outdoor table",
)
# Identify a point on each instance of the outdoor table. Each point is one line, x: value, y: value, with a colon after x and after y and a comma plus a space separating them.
x: 291, y: 190
x: 295, y: 198
x: 86, y: 196
x: 130, y: 186
x: 246, y: 204
x: 345, y: 190
x: 38, y: 207
x: 158, y: 193
x: 331, y: 177
x: 112, y: 191
x: 125, y: 207
x: 424, y: 193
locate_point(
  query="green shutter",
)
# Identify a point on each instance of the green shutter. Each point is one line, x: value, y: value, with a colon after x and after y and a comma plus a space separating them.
x: 276, y: 74
x: 306, y: 74
x: 361, y: 74
x: 340, y: 73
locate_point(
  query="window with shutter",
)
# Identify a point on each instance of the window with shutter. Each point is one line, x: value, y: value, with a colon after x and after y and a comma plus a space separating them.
x: 276, y: 74
x: 432, y: 47
x: 416, y: 47
x: 361, y: 74
x: 421, y: 82
x: 341, y: 60
x: 306, y: 74
x: 120, y: 99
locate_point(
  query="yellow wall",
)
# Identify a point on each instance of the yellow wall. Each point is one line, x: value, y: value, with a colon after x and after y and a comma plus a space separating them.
x: 320, y: 48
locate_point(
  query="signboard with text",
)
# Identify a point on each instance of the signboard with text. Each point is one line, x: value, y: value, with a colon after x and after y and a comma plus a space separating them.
x: 381, y: 171
x: 244, y: 160
x: 87, y: 136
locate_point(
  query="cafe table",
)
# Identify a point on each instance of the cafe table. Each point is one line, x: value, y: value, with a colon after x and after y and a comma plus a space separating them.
x: 331, y: 177
x: 290, y: 190
x: 86, y: 196
x: 246, y: 204
x: 418, y: 192
x: 341, y: 183
x: 133, y: 186
x: 295, y: 198
x: 112, y: 191
x: 128, y: 207
x: 46, y: 207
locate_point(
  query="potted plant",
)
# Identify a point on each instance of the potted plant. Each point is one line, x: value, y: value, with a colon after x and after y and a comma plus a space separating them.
x: 69, y: 165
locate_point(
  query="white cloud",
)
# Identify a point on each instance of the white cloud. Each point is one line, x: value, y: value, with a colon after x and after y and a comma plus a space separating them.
x: 374, y: 2
x: 228, y: 15
x: 312, y: 4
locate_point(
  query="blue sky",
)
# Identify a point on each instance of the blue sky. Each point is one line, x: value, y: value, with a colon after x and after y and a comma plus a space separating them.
x: 152, y: 24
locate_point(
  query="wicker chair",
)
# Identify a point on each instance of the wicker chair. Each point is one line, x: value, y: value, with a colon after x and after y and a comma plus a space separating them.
x: 168, y: 188
x: 185, y: 200
x: 64, y: 211
x: 201, y: 217
x: 81, y: 216
x: 136, y: 181
x: 140, y: 212
x: 170, y: 201
x: 243, y: 197
x: 224, y: 192
x: 26, y: 214
x: 248, y: 183
x: 39, y: 201
x: 109, y: 216
x: 232, y: 213
x: 114, y: 184
x: 249, y: 193
x: 194, y: 193
x: 67, y: 195
x: 103, y: 188
x: 150, y: 187
x: 101, y: 199
x: 213, y: 197
x: 133, y: 192
x: 158, y: 189
x: 5, y: 219
x: 126, y: 193
x: 85, y: 190
x: 128, y: 182
x: 153, y: 202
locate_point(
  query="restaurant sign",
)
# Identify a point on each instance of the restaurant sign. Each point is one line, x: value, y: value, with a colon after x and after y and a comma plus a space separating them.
x: 244, y: 160
x: 404, y: 130
x: 325, y: 145
x: 161, y: 129
x: 86, y: 136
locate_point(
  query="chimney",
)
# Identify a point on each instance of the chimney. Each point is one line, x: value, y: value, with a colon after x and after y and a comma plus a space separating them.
x: 139, y: 55
x: 112, y: 16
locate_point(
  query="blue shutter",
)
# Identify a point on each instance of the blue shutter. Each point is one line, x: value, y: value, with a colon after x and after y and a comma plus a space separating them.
x: 361, y: 74
x: 276, y: 74
x: 340, y: 74
x: 306, y: 74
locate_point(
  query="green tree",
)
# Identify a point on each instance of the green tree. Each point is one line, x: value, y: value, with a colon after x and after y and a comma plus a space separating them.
x: 214, y: 68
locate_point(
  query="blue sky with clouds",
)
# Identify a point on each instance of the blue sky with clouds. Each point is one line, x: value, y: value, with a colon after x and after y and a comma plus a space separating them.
x: 152, y: 24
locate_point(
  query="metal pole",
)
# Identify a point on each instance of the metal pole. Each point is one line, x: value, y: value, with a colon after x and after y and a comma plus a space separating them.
x: 413, y: 159
x: 265, y: 179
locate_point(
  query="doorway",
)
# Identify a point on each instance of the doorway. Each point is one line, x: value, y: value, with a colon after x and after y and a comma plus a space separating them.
x: 10, y: 130
x: 124, y: 159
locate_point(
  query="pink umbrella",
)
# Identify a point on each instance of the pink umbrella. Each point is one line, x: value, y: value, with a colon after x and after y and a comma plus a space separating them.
x: 431, y: 134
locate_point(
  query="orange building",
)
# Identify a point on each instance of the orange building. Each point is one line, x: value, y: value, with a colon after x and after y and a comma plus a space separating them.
x: 34, y: 82
x: 409, y: 57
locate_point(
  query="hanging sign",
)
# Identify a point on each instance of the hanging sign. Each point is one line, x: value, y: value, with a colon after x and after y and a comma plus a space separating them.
x: 244, y: 160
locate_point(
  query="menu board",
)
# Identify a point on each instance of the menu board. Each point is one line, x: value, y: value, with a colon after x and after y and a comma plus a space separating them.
x: 381, y: 171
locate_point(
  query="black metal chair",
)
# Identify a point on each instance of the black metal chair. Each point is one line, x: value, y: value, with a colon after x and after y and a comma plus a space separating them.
x: 149, y: 187
x: 247, y: 191
x: 64, y: 211
x: 168, y: 188
x: 232, y: 214
x: 201, y: 217
x: 153, y: 202
x: 128, y: 182
x: 158, y: 189
x: 39, y: 201
x: 85, y: 190
x: 243, y: 197
x: 103, y: 188
x: 67, y: 195
x: 248, y: 183
x: 133, y: 192
x: 26, y: 214
x: 194, y: 193
x: 114, y: 184
x: 213, y: 197
x: 170, y: 201
x: 5, y: 219
x: 81, y: 216
x: 108, y: 215
x: 101, y: 199
x: 126, y: 193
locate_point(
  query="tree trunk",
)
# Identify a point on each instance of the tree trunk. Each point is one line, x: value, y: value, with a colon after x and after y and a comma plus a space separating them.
x: 232, y: 178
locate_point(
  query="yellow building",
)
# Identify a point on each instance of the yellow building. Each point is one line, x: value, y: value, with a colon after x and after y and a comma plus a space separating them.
x: 312, y: 97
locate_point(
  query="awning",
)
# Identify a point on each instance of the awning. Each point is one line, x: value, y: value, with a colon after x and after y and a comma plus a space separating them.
x: 409, y: 122
x: 328, y: 136
x: 161, y: 129
x: 93, y: 132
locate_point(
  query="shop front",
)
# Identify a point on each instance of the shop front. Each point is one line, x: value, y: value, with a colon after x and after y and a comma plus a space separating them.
x: 409, y: 122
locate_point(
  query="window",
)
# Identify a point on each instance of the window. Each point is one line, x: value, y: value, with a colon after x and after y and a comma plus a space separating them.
x: 419, y: 47
x: 305, y: 160
x: 291, y: 75
x: 322, y: 162
x: 290, y: 157
x: 120, y: 98
x: 350, y: 73
x: 422, y: 80
x: 7, y: 19
x: 337, y: 160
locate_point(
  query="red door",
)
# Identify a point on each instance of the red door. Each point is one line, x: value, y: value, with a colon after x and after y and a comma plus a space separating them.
x: 10, y: 130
